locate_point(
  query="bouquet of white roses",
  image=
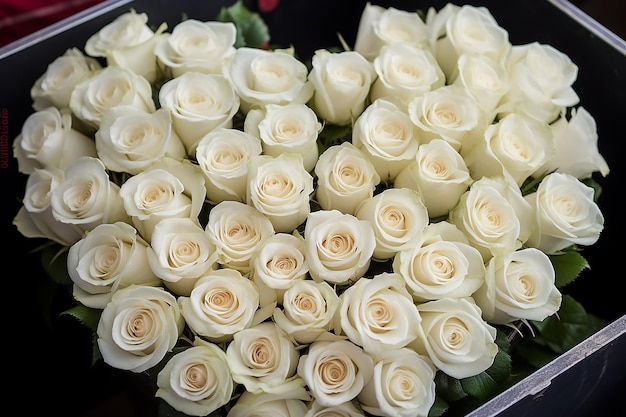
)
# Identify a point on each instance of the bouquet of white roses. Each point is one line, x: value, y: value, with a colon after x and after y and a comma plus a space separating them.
x: 362, y: 233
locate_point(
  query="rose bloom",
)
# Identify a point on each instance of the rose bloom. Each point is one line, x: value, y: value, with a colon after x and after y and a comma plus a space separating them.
x: 346, y: 177
x: 109, y: 257
x: 54, y: 87
x: 455, y: 337
x: 138, y: 327
x: 261, y: 77
x: 387, y: 137
x: 47, y: 140
x: 335, y: 372
x: 130, y: 139
x: 181, y: 253
x: 87, y: 197
x: 263, y: 359
x: 403, y: 385
x: 346, y: 409
x: 280, y: 188
x: 223, y: 156
x: 221, y: 303
x: 439, y: 174
x: 196, y: 381
x: 197, y: 46
x: 308, y: 310
x: 237, y: 230
x: 440, y: 264
x: 198, y: 103
x: 342, y: 83
x: 339, y: 247
x: 519, y: 285
x: 289, y: 404
x: 291, y: 128
x: 565, y: 214
x: 398, y: 216
x: 168, y: 188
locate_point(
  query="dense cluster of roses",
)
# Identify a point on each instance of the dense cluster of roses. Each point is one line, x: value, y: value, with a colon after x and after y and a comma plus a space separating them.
x: 188, y: 182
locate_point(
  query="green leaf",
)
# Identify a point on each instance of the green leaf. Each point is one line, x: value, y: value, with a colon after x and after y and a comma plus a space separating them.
x: 488, y: 383
x: 89, y: 317
x: 448, y: 388
x: 567, y: 328
x: 568, y: 266
x: 251, y: 29
x: 54, y: 262
x: 438, y: 408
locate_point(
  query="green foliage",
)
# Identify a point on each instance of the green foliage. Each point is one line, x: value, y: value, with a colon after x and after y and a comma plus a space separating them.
x: 333, y: 135
x: 251, y: 29
x: 88, y: 317
x: 568, y: 266
x: 565, y: 329
x: 54, y: 262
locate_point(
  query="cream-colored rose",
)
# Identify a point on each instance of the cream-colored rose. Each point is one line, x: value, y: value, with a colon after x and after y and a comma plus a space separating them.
x: 289, y: 404
x: 47, y: 140
x: 291, y: 128
x: 198, y: 103
x: 237, y: 230
x: 308, y: 310
x: 197, y: 46
x: 113, y: 86
x: 138, y: 327
x: 519, y: 285
x: 441, y: 264
x: 494, y: 216
x: 264, y: 360
x: 565, y: 214
x: 181, y: 253
x: 335, y: 372
x: 398, y: 216
x: 345, y: 178
x: 110, y: 257
x: 345, y: 409
x: 342, y: 82
x: 439, y: 174
x: 576, y: 147
x: 404, y: 71
x: 196, y: 381
x: 54, y: 87
x: 455, y: 337
x: 385, y: 134
x: 280, y: 188
x: 261, y: 77
x: 403, y: 385
x: 130, y: 139
x: 339, y: 247
x: 222, y: 303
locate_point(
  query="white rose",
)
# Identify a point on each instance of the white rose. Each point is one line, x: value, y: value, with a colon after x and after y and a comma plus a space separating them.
x: 398, y: 216
x: 223, y: 156
x: 87, y: 197
x: 263, y: 359
x: 387, y: 136
x: 519, y: 286
x: 576, y: 147
x: 565, y: 214
x: 379, y: 314
x: 345, y: 409
x: 138, y: 327
x: 280, y: 262
x: 290, y: 128
x: 47, y: 140
x: 222, y: 303
x: 113, y: 86
x: 335, y: 372
x: 280, y: 188
x: 441, y: 264
x: 339, y: 247
x: 181, y: 253
x: 346, y: 177
x: 237, y: 230
x: 455, y: 337
x: 342, y: 83
x: 130, y: 139
x: 439, y: 174
x: 403, y: 385
x: 198, y: 103
x: 261, y: 77
x: 54, y: 87
x: 405, y: 71
x: 289, y: 404
x: 110, y: 257
x: 196, y: 381
x: 168, y: 188
x: 197, y: 46
x: 308, y: 310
